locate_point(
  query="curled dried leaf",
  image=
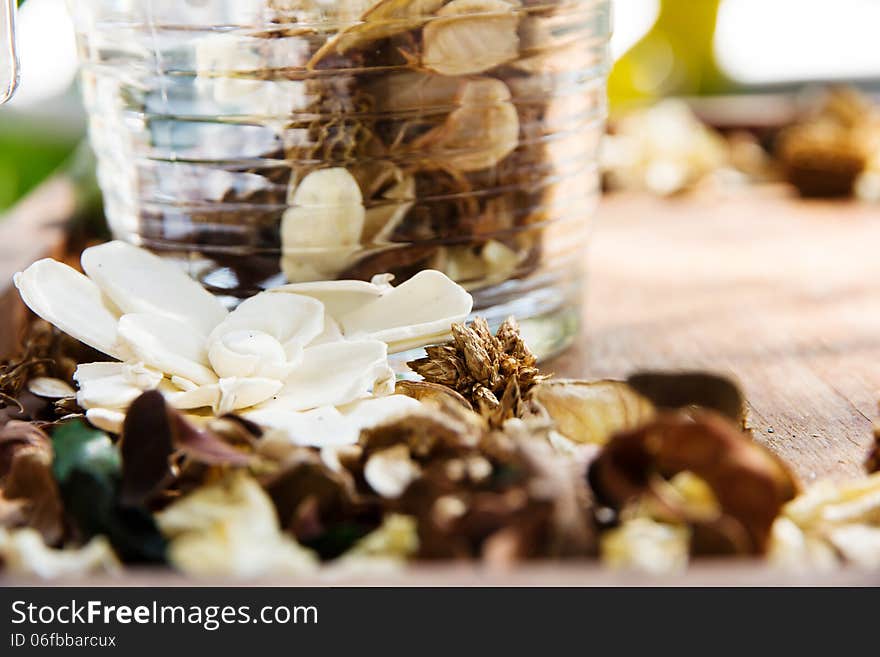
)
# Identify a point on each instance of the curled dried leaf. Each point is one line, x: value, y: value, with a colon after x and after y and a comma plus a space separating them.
x: 678, y: 390
x: 320, y: 505
x: 749, y: 483
x: 592, y: 411
x: 153, y: 434
x: 426, y: 391
x: 30, y: 483
x: 470, y: 36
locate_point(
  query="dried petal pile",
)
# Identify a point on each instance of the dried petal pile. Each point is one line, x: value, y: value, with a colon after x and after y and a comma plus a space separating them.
x: 489, y: 460
x: 340, y: 140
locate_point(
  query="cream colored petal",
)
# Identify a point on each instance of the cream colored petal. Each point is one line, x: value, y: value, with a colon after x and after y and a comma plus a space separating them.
x: 339, y: 297
x: 372, y: 411
x: 319, y: 427
x: 111, y: 385
x: 184, y: 384
x: 24, y: 553
x: 329, y: 426
x: 425, y: 305
x: 71, y: 302
x: 167, y: 344
x: 238, y: 393
x: 139, y: 282
x: 331, y: 332
x: 50, y: 388
x: 106, y: 419
x: 390, y: 471
x: 200, y: 397
x: 332, y: 374
x: 230, y: 528
x: 471, y: 36
x: 417, y: 312
x: 239, y: 344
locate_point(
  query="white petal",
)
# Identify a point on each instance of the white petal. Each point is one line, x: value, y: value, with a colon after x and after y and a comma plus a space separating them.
x: 50, y: 388
x: 425, y: 305
x: 339, y: 297
x: 292, y: 321
x: 334, y: 373
x: 238, y: 393
x: 319, y: 427
x: 71, y: 302
x: 390, y: 471
x: 331, y: 332
x: 200, y: 397
x: 139, y: 282
x: 370, y: 412
x: 328, y: 426
x: 168, y: 344
x: 415, y: 313
x: 184, y: 384
x: 112, y: 385
x: 106, y: 419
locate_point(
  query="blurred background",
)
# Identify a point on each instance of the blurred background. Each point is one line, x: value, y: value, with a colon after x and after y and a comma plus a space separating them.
x: 661, y: 48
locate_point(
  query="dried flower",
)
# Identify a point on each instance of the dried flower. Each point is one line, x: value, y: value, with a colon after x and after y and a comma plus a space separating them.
x: 285, y: 360
x: 494, y: 373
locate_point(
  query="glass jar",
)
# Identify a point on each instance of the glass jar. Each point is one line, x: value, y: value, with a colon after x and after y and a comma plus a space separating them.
x: 266, y: 141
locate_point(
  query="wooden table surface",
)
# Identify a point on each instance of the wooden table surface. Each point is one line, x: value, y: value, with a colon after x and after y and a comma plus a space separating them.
x: 782, y: 294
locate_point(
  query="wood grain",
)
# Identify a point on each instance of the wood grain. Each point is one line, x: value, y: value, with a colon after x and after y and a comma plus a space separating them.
x: 782, y: 294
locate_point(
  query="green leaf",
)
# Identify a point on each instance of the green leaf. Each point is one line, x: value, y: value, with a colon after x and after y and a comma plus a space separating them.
x: 88, y: 469
x: 78, y: 446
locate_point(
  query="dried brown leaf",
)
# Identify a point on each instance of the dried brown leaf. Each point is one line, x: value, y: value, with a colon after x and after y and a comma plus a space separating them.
x: 749, y: 482
x: 592, y: 411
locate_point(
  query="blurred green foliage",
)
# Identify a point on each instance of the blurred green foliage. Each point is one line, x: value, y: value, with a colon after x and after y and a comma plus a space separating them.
x: 675, y: 58
x: 27, y: 155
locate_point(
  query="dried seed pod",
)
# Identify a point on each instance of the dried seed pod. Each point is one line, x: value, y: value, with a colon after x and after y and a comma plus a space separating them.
x: 494, y: 373
x: 750, y: 483
x: 592, y: 411
x: 470, y: 36
x: 480, y: 132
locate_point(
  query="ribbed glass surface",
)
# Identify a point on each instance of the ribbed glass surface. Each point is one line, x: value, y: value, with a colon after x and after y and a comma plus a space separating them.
x: 460, y: 136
